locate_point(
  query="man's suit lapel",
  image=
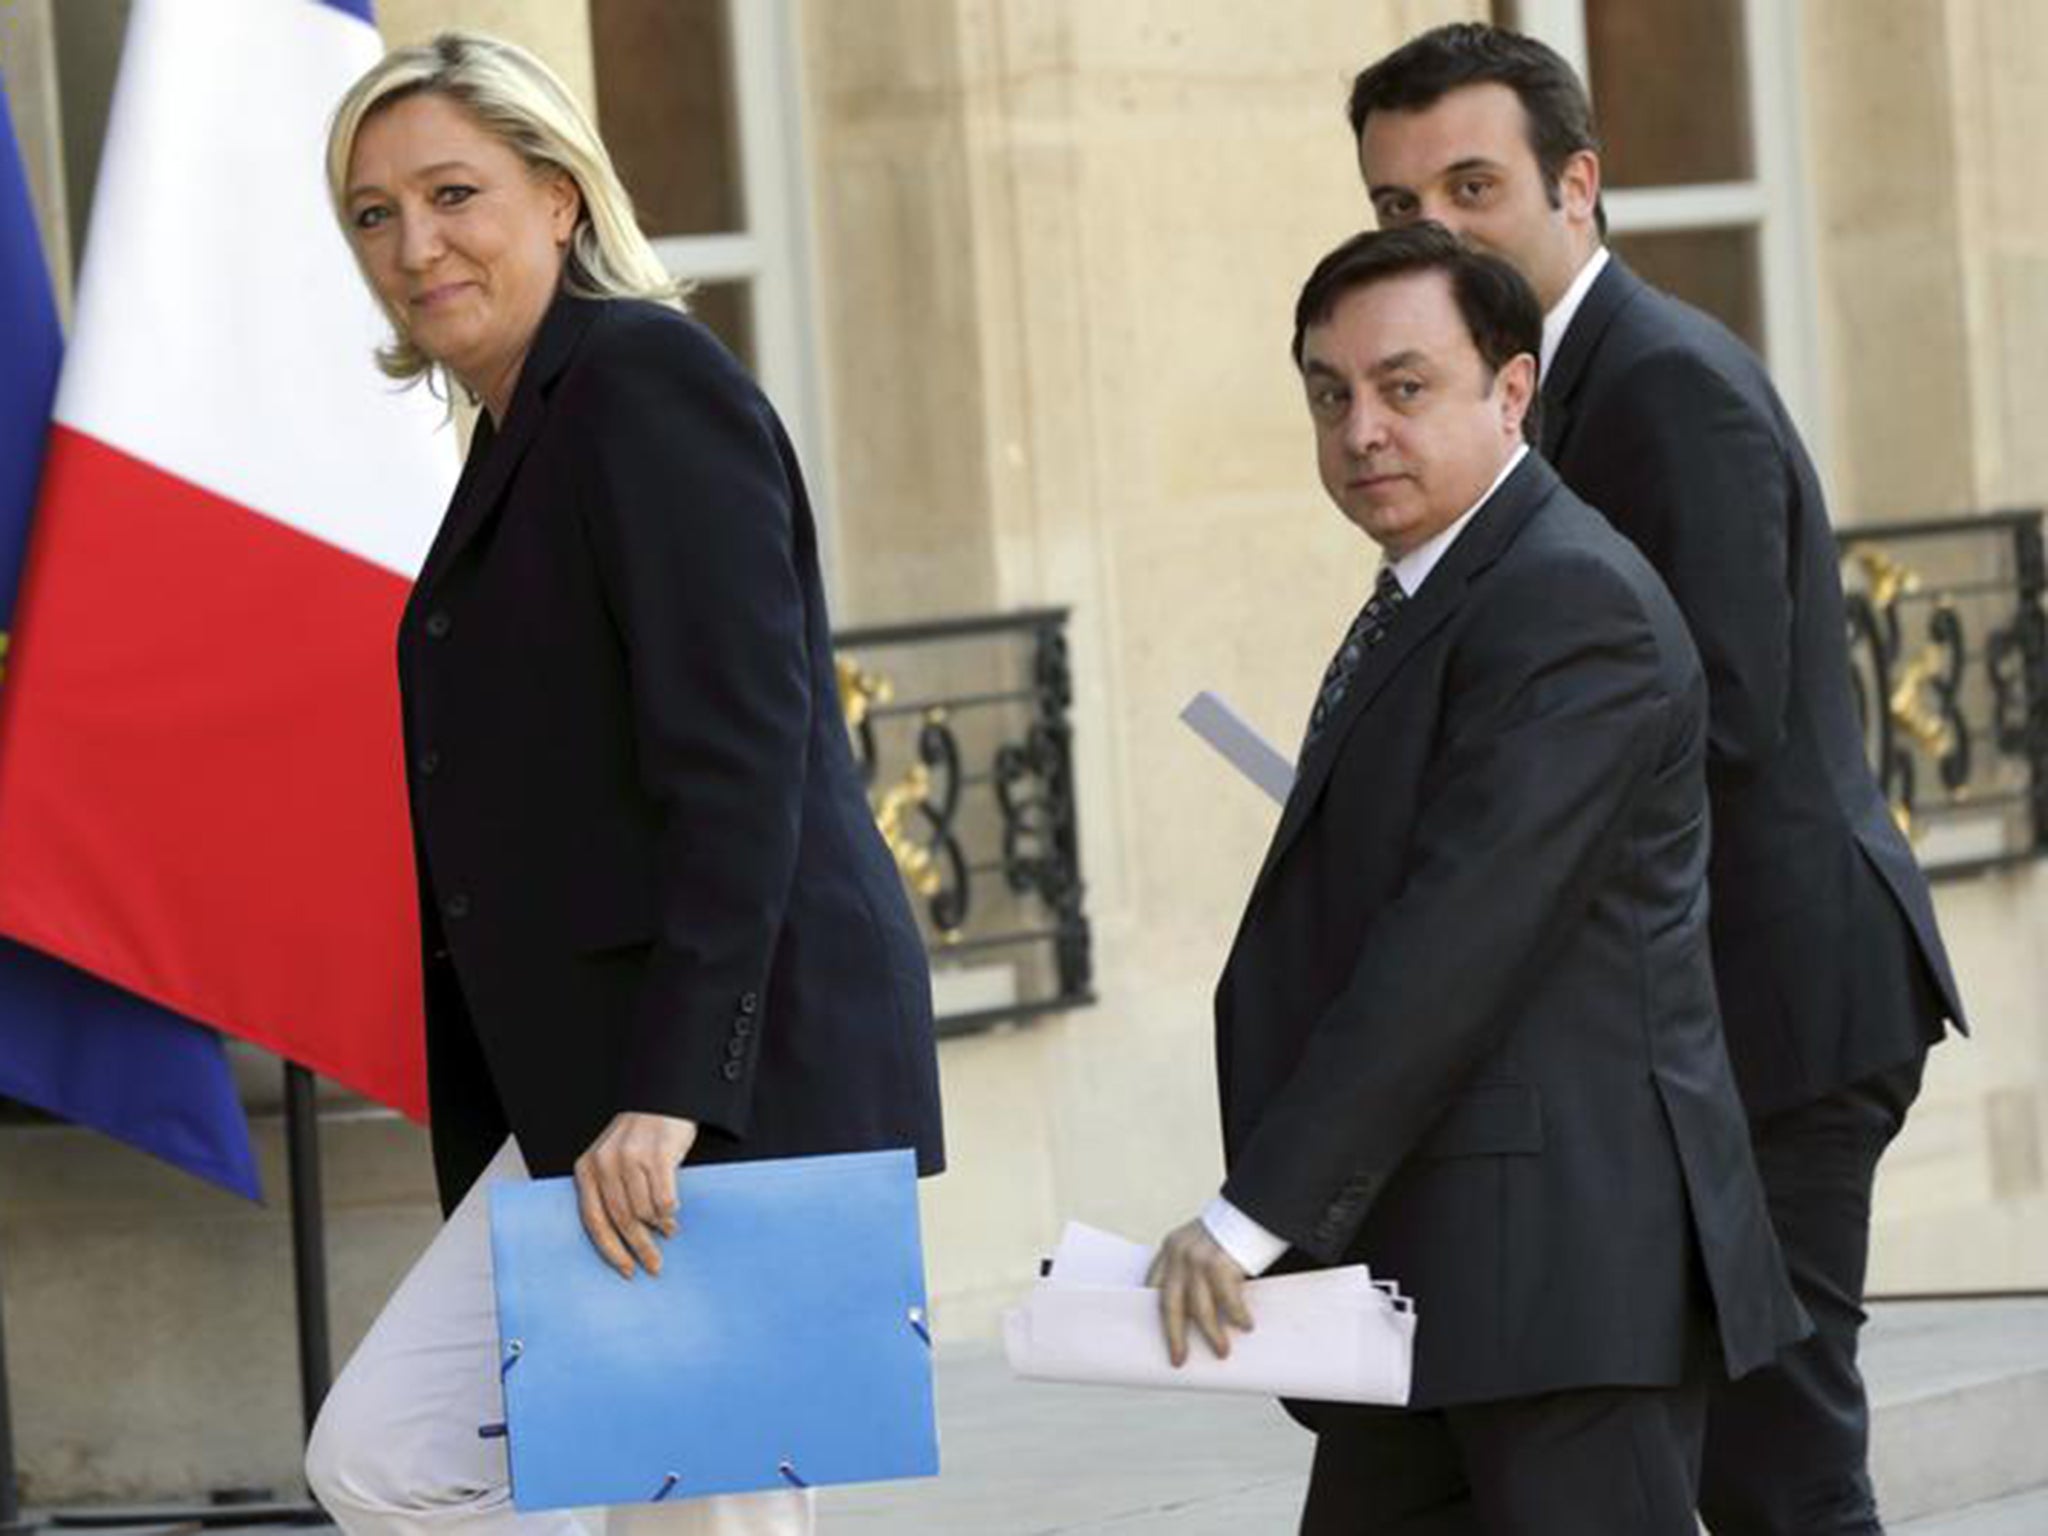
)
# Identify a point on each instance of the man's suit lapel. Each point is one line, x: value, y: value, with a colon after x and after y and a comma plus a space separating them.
x: 1612, y: 291
x: 1491, y: 530
x: 495, y: 454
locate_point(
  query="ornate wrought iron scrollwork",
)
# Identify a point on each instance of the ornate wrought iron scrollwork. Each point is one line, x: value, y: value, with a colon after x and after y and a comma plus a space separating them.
x: 1947, y: 733
x: 938, y: 754
x: 1034, y: 784
x: 928, y: 792
x: 938, y: 811
x: 1873, y: 646
x: 1956, y: 733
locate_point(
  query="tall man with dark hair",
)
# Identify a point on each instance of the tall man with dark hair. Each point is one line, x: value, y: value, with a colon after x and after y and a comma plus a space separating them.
x: 1833, y: 980
x: 1466, y: 1033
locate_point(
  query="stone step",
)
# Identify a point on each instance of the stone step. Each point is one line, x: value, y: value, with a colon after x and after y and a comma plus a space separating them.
x: 2023, y: 1514
x: 1959, y: 1391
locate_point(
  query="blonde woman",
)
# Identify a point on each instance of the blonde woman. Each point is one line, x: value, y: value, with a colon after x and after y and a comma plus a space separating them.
x: 657, y: 922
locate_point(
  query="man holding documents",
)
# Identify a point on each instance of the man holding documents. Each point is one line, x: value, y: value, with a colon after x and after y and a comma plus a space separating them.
x: 1829, y: 963
x: 1467, y: 1032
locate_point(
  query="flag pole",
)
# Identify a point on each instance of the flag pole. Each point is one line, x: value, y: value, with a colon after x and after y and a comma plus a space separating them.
x: 11, y: 1523
x: 309, y: 1237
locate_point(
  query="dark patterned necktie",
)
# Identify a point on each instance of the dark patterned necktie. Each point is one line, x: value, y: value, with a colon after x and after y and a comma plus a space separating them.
x: 1367, y: 630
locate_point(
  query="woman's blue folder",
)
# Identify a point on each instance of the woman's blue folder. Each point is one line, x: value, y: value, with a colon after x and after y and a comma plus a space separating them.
x: 784, y: 1343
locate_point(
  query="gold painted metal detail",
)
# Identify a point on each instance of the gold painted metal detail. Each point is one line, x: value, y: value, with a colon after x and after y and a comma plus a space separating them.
x: 890, y: 808
x: 1888, y: 579
x: 1920, y: 703
x: 859, y: 692
x: 1910, y: 708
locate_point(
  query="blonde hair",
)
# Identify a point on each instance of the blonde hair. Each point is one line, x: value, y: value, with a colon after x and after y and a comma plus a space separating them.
x: 520, y: 101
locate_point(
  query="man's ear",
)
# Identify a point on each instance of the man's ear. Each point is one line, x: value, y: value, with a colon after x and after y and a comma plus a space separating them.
x: 1516, y: 383
x: 1578, y: 186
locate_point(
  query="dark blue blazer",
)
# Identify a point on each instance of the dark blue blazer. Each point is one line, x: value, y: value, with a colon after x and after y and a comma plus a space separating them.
x: 1830, y: 965
x: 649, y: 877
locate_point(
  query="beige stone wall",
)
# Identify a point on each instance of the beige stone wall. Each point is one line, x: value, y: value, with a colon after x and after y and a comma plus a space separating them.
x: 151, y: 1348
x: 28, y: 65
x: 1932, y: 251
x: 1059, y: 248
x: 556, y: 30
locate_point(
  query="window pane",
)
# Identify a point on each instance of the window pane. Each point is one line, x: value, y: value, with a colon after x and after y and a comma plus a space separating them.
x: 1670, y: 81
x: 665, y: 106
x: 1715, y: 269
x: 728, y: 310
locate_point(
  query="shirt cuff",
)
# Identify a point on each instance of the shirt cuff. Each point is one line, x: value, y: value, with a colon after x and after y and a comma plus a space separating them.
x: 1254, y: 1248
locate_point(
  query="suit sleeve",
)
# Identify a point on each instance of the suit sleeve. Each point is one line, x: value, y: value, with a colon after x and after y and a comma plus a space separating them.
x: 689, y: 510
x: 1555, y: 722
x: 1697, y: 477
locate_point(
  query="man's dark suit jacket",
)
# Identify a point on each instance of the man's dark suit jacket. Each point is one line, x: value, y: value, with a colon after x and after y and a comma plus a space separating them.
x: 649, y: 878
x: 1467, y: 1032
x: 1825, y: 947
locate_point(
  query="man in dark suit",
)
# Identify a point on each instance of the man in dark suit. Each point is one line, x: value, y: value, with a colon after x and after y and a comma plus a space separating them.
x: 1466, y: 1033
x: 1832, y: 976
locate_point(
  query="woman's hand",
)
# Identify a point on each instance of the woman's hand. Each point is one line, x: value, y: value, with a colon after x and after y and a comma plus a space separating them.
x: 626, y: 1187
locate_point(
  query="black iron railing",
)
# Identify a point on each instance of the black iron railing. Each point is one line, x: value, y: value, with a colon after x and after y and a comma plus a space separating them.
x: 1948, y: 645
x: 962, y: 731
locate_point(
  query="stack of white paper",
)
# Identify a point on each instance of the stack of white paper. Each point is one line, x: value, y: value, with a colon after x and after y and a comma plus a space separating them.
x: 1333, y: 1335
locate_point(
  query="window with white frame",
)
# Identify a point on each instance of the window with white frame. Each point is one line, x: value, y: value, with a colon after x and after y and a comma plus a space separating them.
x: 700, y: 104
x: 1696, y: 108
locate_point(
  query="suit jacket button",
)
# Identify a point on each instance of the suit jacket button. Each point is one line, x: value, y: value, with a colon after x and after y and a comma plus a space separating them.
x: 732, y: 1071
x: 742, y: 1025
x: 438, y: 624
x: 429, y: 763
x: 749, y: 1002
x: 456, y: 907
x: 735, y: 1049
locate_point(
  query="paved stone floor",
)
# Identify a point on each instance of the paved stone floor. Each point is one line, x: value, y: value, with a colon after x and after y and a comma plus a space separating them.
x: 1962, y: 1395
x: 1030, y: 1459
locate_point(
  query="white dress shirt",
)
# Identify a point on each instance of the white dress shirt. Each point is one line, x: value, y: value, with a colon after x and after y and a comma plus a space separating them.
x: 1253, y: 1247
x: 1559, y: 320
x: 1413, y: 568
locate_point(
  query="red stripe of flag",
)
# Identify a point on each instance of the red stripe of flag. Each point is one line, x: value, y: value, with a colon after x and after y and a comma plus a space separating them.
x: 208, y: 809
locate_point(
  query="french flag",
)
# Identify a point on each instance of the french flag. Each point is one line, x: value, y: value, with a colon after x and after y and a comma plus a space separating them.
x: 201, y: 792
x: 71, y: 1045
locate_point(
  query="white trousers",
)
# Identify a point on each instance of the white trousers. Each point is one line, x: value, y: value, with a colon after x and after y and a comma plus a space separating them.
x: 396, y: 1450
